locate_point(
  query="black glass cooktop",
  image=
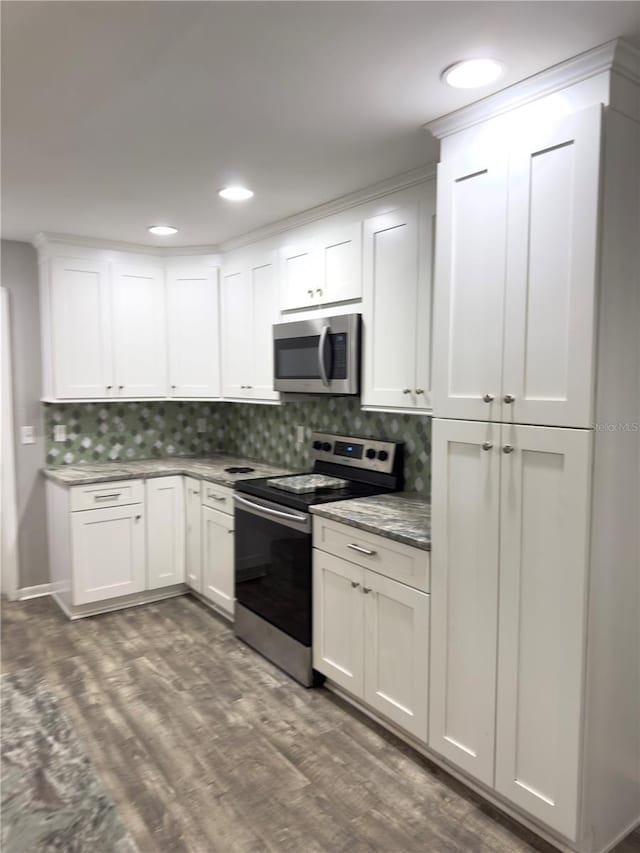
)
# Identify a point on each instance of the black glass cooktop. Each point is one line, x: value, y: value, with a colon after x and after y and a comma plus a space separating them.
x: 260, y: 488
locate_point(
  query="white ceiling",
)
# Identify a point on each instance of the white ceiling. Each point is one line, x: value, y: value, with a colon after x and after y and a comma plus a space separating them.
x: 118, y: 115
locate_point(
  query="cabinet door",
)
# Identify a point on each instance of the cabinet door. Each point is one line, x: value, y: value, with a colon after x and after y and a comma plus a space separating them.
x: 396, y: 655
x: 164, y: 502
x: 299, y: 279
x: 391, y: 274
x: 139, y: 333
x: 237, y: 325
x: 81, y: 332
x: 217, y: 558
x: 193, y: 549
x: 340, y: 263
x: 265, y: 314
x: 194, y: 345
x: 464, y: 593
x: 552, y: 273
x: 469, y: 288
x: 338, y: 621
x: 108, y: 553
x: 545, y: 499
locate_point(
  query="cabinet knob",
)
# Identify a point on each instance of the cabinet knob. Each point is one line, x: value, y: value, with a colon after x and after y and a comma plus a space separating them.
x: 354, y: 584
x: 109, y: 387
x: 310, y: 292
x: 419, y: 390
x: 488, y: 398
x: 121, y: 387
x: 406, y: 390
x: 487, y: 445
x: 319, y: 292
x: 174, y: 387
x: 508, y: 448
x: 509, y: 398
x: 366, y: 590
x: 138, y: 517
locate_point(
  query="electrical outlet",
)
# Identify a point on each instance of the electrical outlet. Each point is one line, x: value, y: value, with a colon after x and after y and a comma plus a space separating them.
x: 60, y: 432
x: 201, y: 425
x: 300, y: 434
x: 26, y: 435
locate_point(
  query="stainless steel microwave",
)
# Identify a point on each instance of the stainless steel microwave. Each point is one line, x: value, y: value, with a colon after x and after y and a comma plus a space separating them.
x: 318, y: 356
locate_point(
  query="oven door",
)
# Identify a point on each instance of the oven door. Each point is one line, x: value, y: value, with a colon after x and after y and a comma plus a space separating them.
x: 273, y: 564
x: 317, y: 356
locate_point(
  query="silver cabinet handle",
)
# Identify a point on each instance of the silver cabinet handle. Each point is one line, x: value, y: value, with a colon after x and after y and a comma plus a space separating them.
x: 366, y: 589
x: 419, y: 390
x: 106, y: 497
x: 508, y: 448
x: 406, y: 390
x: 509, y: 398
x: 216, y: 498
x: 324, y: 334
x: 354, y: 585
x: 488, y: 398
x: 361, y: 550
x: 486, y: 445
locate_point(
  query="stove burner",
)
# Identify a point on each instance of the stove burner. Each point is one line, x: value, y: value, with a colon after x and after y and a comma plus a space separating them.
x: 239, y: 469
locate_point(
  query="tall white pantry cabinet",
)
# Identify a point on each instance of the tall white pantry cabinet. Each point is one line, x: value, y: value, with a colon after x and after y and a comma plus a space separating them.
x: 535, y: 626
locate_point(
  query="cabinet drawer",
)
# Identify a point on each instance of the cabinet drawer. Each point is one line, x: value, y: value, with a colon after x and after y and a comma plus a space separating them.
x: 98, y: 495
x: 217, y: 497
x: 401, y: 562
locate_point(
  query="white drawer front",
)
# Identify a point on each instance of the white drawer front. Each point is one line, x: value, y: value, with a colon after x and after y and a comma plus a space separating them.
x: 396, y: 560
x: 99, y: 495
x: 217, y: 497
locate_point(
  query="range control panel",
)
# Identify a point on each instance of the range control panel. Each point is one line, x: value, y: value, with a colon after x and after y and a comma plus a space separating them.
x: 365, y: 453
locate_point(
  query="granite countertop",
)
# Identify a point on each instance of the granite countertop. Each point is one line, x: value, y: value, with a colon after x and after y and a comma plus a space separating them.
x: 210, y: 468
x: 402, y: 516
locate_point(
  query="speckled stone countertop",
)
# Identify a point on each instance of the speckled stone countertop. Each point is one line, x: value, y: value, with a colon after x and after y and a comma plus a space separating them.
x: 210, y: 468
x: 403, y: 516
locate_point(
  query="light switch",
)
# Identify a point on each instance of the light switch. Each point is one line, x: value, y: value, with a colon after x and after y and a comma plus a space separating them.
x: 201, y: 425
x: 60, y: 432
x: 26, y: 435
x: 300, y: 434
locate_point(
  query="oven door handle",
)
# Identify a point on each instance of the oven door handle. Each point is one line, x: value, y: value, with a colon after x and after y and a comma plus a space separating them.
x: 321, y: 348
x: 264, y: 510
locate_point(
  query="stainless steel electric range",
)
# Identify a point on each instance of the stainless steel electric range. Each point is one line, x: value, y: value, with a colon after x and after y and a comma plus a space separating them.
x: 273, y: 542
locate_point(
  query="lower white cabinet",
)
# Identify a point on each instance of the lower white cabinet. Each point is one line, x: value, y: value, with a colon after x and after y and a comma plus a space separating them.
x: 193, y: 527
x: 164, y: 499
x: 371, y: 637
x: 217, y: 558
x: 107, y: 553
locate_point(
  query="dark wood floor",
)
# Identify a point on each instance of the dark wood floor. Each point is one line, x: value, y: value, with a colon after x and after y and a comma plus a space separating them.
x: 206, y: 747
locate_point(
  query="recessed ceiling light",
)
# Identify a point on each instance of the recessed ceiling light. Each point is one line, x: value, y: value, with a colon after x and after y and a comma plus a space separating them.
x: 162, y: 230
x: 235, y: 193
x: 472, y: 73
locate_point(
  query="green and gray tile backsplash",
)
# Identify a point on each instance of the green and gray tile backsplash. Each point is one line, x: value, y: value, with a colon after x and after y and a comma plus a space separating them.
x: 99, y: 432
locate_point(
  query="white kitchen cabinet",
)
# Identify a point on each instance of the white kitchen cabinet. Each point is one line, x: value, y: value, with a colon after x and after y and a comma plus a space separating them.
x: 194, y: 332
x: 249, y: 310
x: 514, y: 319
x: 77, y: 293
x: 139, y: 331
x: 510, y: 523
x: 193, y: 528
x: 338, y: 621
x: 217, y: 559
x: 397, y: 307
x: 298, y: 273
x: 371, y: 637
x: 107, y: 553
x: 164, y: 501
x: 465, y: 514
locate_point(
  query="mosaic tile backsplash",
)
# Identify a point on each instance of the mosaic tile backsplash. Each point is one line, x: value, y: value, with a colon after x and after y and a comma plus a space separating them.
x: 99, y: 432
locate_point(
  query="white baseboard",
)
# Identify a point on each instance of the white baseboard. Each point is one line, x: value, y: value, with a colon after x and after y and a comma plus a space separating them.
x: 35, y: 591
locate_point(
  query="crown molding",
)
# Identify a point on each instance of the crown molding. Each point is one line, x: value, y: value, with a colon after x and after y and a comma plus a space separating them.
x: 46, y: 238
x: 617, y: 55
x: 403, y: 181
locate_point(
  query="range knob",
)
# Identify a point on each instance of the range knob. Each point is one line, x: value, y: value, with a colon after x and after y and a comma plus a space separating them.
x: 370, y: 454
x: 326, y: 446
x: 383, y: 455
x: 317, y: 445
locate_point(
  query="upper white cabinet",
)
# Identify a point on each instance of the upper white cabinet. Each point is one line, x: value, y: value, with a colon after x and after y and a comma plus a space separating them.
x: 323, y: 267
x: 139, y: 331
x: 79, y: 335
x: 194, y: 332
x: 397, y: 251
x: 516, y: 278
x: 249, y: 310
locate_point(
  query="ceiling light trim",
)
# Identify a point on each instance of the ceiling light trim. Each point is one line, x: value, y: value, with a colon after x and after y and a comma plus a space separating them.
x: 617, y: 55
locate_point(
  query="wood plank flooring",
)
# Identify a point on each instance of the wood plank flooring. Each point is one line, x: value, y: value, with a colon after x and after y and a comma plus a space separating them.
x: 206, y: 747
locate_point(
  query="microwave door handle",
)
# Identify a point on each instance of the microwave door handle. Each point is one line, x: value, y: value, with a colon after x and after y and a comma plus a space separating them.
x: 321, y: 349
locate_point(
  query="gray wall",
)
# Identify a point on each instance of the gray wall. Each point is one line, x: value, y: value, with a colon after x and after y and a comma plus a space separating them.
x: 19, y: 271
